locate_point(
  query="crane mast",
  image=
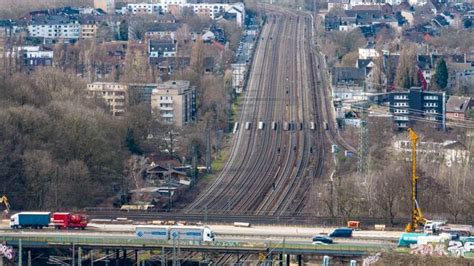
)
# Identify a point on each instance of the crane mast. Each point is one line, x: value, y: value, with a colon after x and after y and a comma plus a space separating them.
x: 417, y: 217
x: 4, y: 200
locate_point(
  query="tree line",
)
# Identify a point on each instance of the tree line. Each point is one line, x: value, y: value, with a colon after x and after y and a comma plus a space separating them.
x: 59, y: 149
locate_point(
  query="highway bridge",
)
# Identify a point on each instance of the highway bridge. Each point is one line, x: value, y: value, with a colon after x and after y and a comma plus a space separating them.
x: 118, y: 243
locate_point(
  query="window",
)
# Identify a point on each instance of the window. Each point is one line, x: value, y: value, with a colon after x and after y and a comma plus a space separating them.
x: 400, y: 97
x: 430, y: 97
x: 431, y: 104
x: 401, y: 111
x: 401, y: 104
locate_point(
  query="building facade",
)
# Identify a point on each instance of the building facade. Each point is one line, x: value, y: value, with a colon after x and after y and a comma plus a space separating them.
x: 457, y: 107
x: 54, y: 27
x: 34, y: 56
x: 175, y: 102
x: 114, y: 94
x: 88, y: 27
x: 162, y: 48
x: 106, y: 5
x: 415, y: 104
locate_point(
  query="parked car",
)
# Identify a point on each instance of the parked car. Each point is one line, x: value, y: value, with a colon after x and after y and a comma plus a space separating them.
x: 341, y: 232
x: 318, y: 239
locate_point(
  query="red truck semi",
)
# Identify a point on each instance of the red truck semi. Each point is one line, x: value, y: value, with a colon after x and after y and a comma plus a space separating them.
x: 66, y: 220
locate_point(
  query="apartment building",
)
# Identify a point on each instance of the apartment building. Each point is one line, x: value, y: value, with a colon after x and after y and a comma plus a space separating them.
x: 114, y: 94
x: 54, y: 27
x: 34, y: 56
x: 88, y: 27
x: 175, y: 102
x: 208, y: 10
x: 415, y: 104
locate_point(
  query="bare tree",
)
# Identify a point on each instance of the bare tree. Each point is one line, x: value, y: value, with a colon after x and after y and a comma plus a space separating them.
x: 406, y: 76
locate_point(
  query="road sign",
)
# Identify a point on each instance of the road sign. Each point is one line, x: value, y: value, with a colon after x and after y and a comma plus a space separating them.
x: 175, y: 235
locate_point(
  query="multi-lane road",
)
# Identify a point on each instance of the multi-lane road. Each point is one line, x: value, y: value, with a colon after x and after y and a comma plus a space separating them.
x: 279, y: 147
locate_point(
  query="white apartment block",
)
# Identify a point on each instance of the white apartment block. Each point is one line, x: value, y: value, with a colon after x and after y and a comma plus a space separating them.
x: 174, y: 101
x: 210, y: 10
x: 114, y: 94
x: 55, y: 27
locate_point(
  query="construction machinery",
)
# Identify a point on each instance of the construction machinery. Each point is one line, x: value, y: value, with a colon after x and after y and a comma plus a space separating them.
x: 4, y: 201
x: 417, y: 217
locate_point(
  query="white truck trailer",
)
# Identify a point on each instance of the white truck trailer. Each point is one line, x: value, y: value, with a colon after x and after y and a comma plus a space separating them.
x: 163, y: 232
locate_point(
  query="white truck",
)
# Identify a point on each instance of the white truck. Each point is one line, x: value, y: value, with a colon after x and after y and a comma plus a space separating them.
x: 163, y: 232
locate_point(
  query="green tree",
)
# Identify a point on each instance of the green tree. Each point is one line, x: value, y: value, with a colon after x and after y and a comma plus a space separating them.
x: 441, y: 75
x: 131, y: 143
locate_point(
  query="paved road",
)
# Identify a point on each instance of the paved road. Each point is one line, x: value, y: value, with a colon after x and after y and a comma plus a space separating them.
x: 229, y: 232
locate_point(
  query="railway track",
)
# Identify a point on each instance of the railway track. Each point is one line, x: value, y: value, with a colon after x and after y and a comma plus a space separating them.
x: 287, y: 218
x: 271, y: 169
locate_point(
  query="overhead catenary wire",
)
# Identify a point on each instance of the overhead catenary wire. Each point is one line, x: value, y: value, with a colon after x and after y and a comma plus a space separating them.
x: 465, y: 122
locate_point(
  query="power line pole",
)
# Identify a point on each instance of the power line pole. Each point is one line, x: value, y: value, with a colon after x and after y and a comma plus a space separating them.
x: 169, y: 187
x: 363, y: 149
x: 208, y: 150
x: 194, y: 165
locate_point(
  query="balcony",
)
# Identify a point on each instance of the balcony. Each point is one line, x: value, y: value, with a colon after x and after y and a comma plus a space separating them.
x: 166, y: 101
x: 167, y: 108
x: 401, y: 118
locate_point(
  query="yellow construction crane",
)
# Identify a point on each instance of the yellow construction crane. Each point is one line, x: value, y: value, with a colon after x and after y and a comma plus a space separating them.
x: 4, y: 200
x: 417, y: 217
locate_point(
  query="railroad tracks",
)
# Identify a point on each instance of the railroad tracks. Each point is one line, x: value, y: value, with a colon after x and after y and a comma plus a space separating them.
x: 271, y: 169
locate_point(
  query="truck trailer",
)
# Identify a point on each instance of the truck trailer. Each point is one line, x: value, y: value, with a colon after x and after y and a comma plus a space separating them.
x: 35, y: 220
x: 66, y: 220
x: 160, y: 232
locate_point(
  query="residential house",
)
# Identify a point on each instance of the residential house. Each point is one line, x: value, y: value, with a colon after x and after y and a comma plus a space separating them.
x: 162, y: 31
x: 425, y: 70
x: 457, y: 107
x: 159, y: 174
x: 162, y: 48
x: 368, y: 52
x: 415, y: 104
x: 168, y: 65
x: 332, y: 23
x: 347, y: 82
x: 166, y: 19
x: 174, y: 102
x: 344, y: 4
x: 114, y: 94
x: 460, y: 73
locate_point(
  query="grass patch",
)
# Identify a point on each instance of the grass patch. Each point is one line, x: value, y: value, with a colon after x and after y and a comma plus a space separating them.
x: 220, y: 161
x: 235, y: 107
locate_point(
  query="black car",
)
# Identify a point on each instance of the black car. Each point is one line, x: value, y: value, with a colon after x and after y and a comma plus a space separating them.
x: 322, y: 239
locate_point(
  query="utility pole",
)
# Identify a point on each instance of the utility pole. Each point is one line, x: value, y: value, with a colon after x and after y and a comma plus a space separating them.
x: 194, y: 165
x: 208, y: 149
x: 363, y: 150
x: 169, y: 188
